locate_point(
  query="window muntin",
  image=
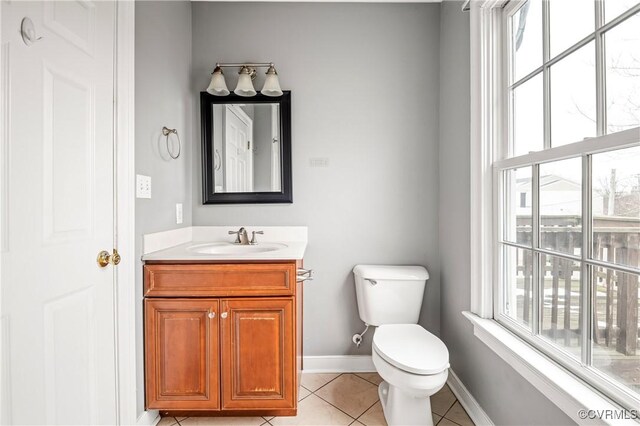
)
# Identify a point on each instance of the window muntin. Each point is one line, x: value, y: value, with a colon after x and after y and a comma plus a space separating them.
x: 548, y: 272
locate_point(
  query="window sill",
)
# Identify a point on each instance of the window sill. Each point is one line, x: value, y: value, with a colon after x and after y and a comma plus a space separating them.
x: 570, y: 394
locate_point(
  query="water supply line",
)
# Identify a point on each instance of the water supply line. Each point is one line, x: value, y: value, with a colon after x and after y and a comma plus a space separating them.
x: 357, y: 338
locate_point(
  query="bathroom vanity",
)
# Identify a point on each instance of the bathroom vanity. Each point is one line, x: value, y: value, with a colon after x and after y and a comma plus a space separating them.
x: 223, y: 328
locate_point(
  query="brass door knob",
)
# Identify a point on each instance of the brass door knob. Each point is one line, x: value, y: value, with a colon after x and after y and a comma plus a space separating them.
x: 104, y: 258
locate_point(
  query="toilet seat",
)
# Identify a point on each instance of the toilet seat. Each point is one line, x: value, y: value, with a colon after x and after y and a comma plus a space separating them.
x: 411, y: 348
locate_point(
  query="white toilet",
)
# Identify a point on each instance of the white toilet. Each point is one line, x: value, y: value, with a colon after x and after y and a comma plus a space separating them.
x: 412, y: 362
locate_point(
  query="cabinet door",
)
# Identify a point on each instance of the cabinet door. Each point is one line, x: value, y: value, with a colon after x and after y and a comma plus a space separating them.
x: 182, y: 354
x: 258, y: 353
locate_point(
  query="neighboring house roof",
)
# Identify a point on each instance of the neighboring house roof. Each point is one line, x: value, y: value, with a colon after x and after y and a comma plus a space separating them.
x: 562, y: 184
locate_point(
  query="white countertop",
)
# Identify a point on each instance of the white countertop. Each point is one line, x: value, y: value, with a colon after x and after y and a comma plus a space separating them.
x: 175, y: 245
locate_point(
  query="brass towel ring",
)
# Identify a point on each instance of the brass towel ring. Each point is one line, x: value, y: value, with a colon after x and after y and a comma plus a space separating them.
x: 167, y: 132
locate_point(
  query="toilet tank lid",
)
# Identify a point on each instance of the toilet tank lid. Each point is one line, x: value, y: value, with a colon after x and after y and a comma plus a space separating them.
x: 391, y: 272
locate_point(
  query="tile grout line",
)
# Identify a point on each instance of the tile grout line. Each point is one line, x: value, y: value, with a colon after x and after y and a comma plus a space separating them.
x: 365, y: 411
x: 449, y: 409
x: 445, y: 414
x: 376, y: 384
x: 310, y: 393
x: 457, y: 424
x: 337, y: 408
x: 341, y: 374
x: 354, y: 419
x: 314, y: 393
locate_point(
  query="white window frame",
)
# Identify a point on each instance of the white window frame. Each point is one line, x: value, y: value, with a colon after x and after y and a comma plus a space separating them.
x: 488, y: 135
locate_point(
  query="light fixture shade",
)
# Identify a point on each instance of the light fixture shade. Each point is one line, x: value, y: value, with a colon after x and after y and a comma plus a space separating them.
x: 245, y: 86
x: 218, y: 87
x: 271, y: 83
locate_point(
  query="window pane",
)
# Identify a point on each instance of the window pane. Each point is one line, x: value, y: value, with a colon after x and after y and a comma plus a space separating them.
x: 561, y: 302
x: 517, y: 199
x: 527, y: 117
x: 569, y: 22
x: 615, y: 8
x: 518, y: 277
x: 573, y: 97
x: 561, y: 206
x: 616, y: 206
x: 526, y: 39
x: 623, y: 75
x: 615, y: 339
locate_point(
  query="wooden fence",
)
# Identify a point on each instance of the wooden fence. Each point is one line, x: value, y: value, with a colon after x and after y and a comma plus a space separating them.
x: 615, y: 315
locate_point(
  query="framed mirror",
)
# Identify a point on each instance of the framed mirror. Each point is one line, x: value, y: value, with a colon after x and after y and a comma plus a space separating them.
x: 246, y: 149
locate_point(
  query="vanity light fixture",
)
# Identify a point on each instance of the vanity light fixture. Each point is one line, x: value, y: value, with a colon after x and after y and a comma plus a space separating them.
x: 245, y: 85
x: 218, y: 86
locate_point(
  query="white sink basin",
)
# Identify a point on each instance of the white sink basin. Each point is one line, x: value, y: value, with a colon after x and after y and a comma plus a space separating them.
x: 231, y: 248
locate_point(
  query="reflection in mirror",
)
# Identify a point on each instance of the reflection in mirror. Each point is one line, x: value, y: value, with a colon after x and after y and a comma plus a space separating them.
x: 246, y: 147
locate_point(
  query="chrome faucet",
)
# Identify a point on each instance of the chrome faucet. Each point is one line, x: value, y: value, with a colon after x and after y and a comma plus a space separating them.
x: 253, y: 241
x: 241, y: 236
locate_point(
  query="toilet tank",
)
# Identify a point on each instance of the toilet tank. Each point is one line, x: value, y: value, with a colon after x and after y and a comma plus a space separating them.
x: 389, y: 294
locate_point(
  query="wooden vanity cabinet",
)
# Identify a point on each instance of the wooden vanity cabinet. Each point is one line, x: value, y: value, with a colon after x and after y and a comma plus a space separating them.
x: 258, y: 354
x: 182, y: 354
x: 230, y: 355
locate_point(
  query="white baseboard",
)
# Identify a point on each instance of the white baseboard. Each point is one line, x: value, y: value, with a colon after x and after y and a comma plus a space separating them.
x: 338, y: 364
x: 467, y: 401
x: 148, y: 418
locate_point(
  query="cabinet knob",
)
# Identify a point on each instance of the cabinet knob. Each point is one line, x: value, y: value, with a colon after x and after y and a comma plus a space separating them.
x: 212, y: 314
x: 223, y: 315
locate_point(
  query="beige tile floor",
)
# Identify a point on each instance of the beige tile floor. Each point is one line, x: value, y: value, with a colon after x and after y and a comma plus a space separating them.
x: 337, y: 399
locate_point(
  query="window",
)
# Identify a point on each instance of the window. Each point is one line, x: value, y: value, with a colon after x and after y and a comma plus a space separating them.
x: 567, y: 185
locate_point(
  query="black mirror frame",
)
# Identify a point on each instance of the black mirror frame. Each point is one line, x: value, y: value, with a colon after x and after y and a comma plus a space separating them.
x: 206, y: 108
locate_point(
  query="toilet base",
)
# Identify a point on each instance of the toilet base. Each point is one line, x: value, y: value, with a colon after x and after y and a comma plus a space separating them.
x: 401, y: 409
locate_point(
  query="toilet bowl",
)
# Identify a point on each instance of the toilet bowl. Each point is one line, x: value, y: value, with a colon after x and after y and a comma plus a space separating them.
x: 414, y: 365
x: 412, y: 362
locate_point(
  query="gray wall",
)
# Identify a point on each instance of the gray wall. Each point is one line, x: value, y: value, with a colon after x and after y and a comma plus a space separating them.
x: 364, y: 82
x: 163, y: 98
x: 506, y: 397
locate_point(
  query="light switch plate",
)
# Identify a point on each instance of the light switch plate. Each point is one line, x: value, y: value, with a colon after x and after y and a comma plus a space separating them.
x: 179, y: 213
x: 143, y: 186
x: 319, y: 162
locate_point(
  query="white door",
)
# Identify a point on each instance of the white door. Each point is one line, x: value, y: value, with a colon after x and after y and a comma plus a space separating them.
x: 57, y: 303
x: 238, y: 148
x: 276, y: 173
